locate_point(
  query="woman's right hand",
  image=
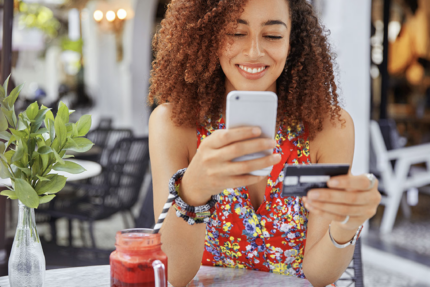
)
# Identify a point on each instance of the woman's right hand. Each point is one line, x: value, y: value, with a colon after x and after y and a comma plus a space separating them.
x: 211, y: 170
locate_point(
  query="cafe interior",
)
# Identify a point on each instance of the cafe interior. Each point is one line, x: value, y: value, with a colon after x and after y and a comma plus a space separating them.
x: 95, y: 56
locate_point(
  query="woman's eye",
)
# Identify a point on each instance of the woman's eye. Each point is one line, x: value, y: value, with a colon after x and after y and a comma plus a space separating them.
x: 239, y: 35
x: 274, y: 37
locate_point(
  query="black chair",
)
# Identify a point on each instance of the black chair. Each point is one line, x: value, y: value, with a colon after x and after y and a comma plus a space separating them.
x: 115, y: 190
x: 353, y: 275
x: 104, y: 140
x: 146, y: 218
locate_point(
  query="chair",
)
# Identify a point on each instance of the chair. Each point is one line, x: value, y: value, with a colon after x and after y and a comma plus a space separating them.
x: 397, y: 177
x: 146, y: 215
x: 104, y: 139
x: 353, y: 275
x: 115, y: 190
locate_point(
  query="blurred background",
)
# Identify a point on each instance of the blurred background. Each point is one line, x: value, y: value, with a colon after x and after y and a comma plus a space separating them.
x: 96, y: 57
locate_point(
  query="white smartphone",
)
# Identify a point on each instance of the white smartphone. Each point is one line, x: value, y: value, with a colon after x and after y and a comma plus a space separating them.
x: 249, y: 108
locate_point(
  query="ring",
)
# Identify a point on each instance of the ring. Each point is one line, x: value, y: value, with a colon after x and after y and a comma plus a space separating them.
x: 346, y: 220
x: 372, y: 180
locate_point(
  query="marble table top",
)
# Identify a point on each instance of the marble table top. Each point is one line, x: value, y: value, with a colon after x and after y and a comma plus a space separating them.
x: 99, y: 276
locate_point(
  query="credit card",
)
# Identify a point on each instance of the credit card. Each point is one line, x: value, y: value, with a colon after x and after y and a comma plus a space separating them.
x: 299, y: 179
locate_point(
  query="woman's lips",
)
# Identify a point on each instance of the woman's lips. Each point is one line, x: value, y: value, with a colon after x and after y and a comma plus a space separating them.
x: 254, y: 75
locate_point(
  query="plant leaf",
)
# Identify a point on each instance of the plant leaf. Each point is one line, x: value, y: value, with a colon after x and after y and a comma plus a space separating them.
x: 5, y: 85
x: 39, y: 119
x: 3, y: 122
x: 51, y: 127
x: 78, y: 145
x: 32, y: 111
x: 9, y: 116
x: 48, y: 116
x: 41, y: 178
x: 45, y: 161
x: 18, y: 134
x: 46, y: 198
x: 55, y: 184
x: 44, y: 150
x: 84, y: 125
x: 70, y: 167
x: 26, y: 193
x: 11, y: 99
x: 4, y: 171
x: 19, y: 153
x: 2, y: 147
x: 9, y: 193
x: 41, y: 131
x: 63, y: 113
x: 60, y: 130
x: 9, y: 154
x: 58, y: 158
x: 10, y: 141
x: 4, y: 135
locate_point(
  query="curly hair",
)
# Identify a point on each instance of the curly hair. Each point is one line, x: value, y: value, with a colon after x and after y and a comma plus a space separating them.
x: 186, y: 70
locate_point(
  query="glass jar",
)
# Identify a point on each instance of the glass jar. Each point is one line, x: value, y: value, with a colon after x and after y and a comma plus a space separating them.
x: 138, y: 260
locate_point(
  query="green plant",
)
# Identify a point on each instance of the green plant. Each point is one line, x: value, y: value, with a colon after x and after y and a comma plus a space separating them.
x: 31, y: 151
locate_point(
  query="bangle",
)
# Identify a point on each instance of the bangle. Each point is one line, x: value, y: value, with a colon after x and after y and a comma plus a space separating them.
x: 191, y: 214
x: 351, y: 242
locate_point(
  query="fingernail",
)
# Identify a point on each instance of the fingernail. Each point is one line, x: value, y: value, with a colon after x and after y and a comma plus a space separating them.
x: 333, y: 182
x: 314, y: 194
x: 256, y: 131
x: 276, y: 157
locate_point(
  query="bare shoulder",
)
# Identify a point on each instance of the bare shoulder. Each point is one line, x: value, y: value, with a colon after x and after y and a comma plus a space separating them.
x: 164, y: 134
x: 335, y: 143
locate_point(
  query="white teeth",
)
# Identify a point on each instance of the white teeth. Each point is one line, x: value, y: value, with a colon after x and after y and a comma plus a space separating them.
x: 252, y: 70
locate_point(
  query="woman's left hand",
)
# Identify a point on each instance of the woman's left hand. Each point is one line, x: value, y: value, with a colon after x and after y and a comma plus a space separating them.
x: 347, y: 195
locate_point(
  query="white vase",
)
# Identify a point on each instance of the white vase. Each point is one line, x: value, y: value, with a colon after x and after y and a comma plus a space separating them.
x: 26, y: 263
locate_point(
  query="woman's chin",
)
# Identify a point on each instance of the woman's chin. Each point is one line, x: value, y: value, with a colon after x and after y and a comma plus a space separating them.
x: 254, y: 87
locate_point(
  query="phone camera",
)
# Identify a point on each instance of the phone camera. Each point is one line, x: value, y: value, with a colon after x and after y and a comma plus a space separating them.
x: 237, y: 98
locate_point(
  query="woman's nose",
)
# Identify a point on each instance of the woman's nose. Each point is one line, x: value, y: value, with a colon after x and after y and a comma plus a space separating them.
x: 254, y: 49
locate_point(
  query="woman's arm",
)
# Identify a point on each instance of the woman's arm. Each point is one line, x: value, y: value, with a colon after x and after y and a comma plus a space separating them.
x: 183, y: 243
x: 209, y: 172
x: 323, y: 263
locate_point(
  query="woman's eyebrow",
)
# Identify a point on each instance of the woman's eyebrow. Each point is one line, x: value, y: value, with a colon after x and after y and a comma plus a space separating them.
x: 274, y: 22
x: 267, y: 23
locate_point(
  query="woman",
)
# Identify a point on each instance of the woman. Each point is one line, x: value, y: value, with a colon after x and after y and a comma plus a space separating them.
x: 206, y: 49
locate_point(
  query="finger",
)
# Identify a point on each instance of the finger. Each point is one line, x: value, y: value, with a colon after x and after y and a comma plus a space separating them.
x: 339, y: 196
x: 242, y: 180
x: 225, y: 137
x: 338, y: 209
x: 244, y: 167
x: 351, y: 182
x: 331, y: 216
x: 242, y: 148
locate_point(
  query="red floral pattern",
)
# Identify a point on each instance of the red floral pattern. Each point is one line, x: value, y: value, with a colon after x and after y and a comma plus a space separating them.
x: 271, y: 238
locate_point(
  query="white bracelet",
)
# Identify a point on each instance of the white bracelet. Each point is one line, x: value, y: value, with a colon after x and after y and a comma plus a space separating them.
x: 351, y: 242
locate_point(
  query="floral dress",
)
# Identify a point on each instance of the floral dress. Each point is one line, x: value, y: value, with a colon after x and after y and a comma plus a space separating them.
x: 271, y: 238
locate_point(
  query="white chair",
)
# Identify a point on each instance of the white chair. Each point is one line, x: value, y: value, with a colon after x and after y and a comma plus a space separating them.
x: 396, y: 180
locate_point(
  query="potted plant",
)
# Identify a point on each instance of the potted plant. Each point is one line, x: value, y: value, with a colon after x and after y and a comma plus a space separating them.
x: 34, y: 146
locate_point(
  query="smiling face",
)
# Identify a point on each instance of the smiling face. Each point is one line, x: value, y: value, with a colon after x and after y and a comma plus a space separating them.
x: 257, y: 50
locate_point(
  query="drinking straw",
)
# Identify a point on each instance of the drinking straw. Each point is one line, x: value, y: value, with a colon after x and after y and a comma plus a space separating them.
x: 163, y: 214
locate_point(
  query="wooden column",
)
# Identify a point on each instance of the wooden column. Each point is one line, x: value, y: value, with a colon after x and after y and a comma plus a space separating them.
x: 6, y: 66
x: 385, y: 77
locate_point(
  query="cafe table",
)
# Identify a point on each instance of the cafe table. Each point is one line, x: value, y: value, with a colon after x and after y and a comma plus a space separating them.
x: 99, y: 276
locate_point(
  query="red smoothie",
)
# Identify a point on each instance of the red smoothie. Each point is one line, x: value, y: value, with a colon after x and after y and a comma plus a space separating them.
x: 131, y: 263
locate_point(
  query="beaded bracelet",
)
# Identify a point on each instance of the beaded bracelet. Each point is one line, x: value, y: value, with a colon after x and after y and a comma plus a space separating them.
x: 191, y: 214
